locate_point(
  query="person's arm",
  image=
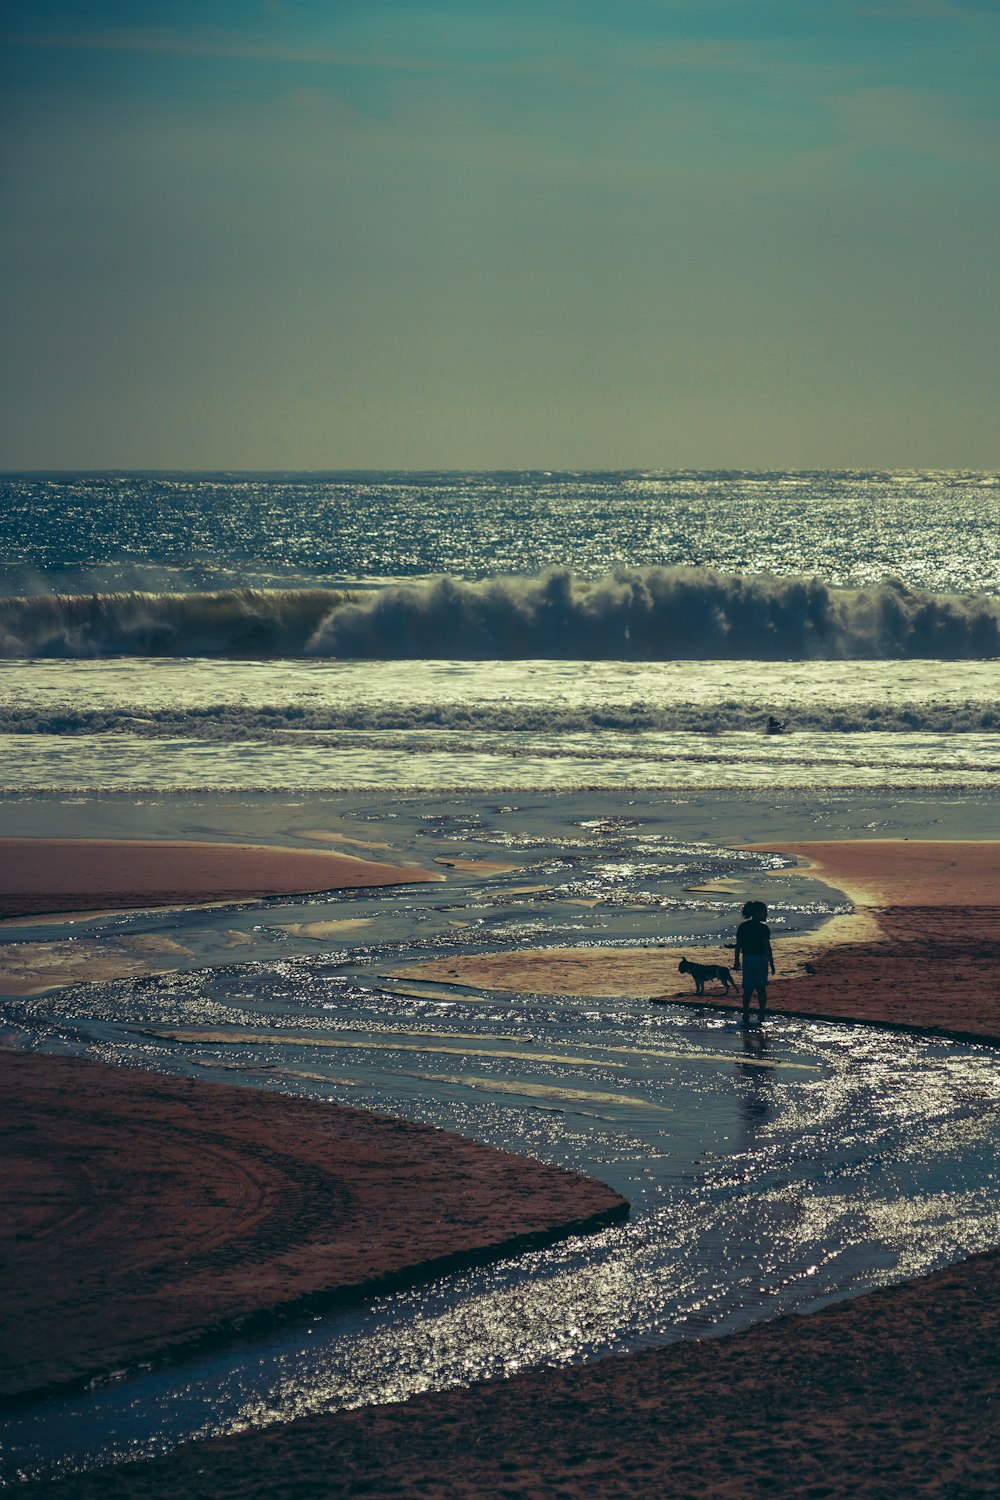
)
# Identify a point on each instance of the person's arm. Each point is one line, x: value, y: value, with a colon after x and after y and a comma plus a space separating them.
x: 739, y: 948
x: 770, y: 955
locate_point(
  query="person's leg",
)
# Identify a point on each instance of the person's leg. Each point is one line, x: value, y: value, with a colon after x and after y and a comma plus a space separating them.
x: 754, y: 978
x: 761, y: 1000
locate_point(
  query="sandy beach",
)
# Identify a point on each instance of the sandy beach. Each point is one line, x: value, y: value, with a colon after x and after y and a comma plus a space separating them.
x: 45, y: 878
x: 920, y: 950
x: 42, y: 876
x: 151, y: 1214
x: 486, y: 496
x: 891, y: 1393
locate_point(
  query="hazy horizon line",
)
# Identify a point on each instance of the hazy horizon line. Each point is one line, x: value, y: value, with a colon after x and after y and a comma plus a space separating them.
x: 646, y: 470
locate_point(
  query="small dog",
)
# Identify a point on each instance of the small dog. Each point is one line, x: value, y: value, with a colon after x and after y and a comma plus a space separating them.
x: 700, y: 972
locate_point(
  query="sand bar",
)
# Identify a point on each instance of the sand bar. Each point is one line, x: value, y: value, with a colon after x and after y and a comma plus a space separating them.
x: 70, y: 875
x: 145, y: 1214
x: 475, y: 866
x: 616, y: 973
x: 34, y: 968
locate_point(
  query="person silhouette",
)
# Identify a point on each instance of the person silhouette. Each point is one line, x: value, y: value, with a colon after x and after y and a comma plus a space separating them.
x: 753, y: 954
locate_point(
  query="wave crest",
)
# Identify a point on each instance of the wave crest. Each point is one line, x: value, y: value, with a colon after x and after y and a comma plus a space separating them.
x: 229, y: 622
x: 645, y: 614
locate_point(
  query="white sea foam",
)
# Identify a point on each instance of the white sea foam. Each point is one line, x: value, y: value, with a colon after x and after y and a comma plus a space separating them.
x: 126, y: 722
x: 404, y: 762
x: 231, y: 700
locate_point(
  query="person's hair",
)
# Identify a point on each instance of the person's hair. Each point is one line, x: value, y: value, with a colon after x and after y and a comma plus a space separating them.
x: 748, y: 907
x: 759, y: 910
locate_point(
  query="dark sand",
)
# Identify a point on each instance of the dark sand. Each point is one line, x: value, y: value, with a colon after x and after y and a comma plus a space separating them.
x: 936, y: 906
x: 144, y: 1214
x: 893, y: 1394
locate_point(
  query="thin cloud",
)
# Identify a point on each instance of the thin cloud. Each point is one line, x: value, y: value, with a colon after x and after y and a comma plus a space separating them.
x: 926, y: 10
x: 187, y: 44
x: 708, y: 56
x: 922, y: 121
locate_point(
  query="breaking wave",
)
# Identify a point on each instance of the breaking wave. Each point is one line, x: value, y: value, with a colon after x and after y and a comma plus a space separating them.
x: 641, y: 614
x: 229, y: 622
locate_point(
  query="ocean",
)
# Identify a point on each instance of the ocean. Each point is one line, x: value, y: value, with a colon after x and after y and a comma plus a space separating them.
x: 558, y: 630
x: 554, y: 689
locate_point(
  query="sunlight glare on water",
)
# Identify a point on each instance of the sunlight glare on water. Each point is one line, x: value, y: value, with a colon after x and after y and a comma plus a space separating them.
x: 767, y: 1172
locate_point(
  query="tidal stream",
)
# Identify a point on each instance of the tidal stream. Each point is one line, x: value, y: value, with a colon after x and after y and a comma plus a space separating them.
x: 769, y: 1171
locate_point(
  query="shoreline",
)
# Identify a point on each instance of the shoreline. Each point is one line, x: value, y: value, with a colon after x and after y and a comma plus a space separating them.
x: 923, y: 966
x: 232, y: 1208
x: 895, y: 1388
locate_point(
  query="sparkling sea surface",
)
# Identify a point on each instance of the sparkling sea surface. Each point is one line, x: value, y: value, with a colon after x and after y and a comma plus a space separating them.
x: 80, y: 532
x: 569, y: 676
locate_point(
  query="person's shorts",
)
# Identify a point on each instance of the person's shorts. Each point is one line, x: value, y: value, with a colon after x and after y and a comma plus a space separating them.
x: 754, y: 971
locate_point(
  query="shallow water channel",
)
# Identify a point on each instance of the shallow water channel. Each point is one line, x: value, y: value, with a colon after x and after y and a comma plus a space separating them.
x: 768, y: 1171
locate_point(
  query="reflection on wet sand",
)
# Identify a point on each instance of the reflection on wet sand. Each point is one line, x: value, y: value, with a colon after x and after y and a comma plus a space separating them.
x: 758, y: 1101
x: 34, y: 968
x: 768, y: 1170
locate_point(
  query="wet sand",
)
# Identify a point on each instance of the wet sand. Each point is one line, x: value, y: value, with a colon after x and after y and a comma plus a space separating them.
x: 145, y: 1214
x: 922, y: 949
x: 895, y: 1393
x: 892, y: 1395
x: 41, y: 876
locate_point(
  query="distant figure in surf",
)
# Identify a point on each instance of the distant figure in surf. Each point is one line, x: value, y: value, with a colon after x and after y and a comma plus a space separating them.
x: 775, y: 726
x: 753, y: 953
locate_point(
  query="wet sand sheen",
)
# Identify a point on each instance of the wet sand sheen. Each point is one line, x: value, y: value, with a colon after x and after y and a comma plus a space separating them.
x: 895, y: 1389
x: 431, y: 1044
x: 920, y: 950
x: 98, y: 877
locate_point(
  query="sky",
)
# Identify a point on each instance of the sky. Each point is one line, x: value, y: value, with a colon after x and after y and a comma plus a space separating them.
x: 505, y: 234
